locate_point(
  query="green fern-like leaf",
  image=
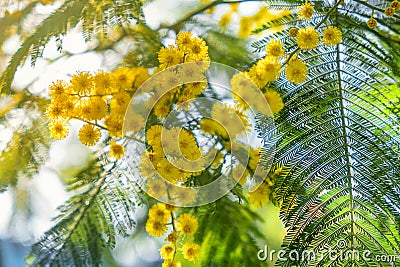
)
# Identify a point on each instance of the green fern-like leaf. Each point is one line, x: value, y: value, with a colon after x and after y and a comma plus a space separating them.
x: 24, y: 154
x: 227, y: 234
x: 228, y: 50
x: 102, y: 208
x: 339, y: 136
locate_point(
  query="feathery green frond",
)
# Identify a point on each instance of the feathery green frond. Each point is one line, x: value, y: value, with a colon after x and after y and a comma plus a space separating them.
x: 101, y: 208
x: 56, y: 24
x: 227, y: 234
x: 24, y: 154
x: 228, y: 50
x: 146, y: 44
x: 11, y: 24
x: 342, y: 143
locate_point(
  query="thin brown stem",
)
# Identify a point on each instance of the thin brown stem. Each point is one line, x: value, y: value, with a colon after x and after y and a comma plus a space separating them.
x: 203, y: 9
x: 191, y: 14
x: 134, y: 138
x: 374, y: 8
x: 174, y: 229
x: 92, y: 123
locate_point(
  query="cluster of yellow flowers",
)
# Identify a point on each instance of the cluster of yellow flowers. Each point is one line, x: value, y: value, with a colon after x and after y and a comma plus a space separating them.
x: 389, y: 12
x: 268, y: 69
x: 305, y: 11
x: 188, y: 49
x: 167, y: 146
x: 163, y: 154
x: 186, y: 147
x: 179, y: 81
x: 174, y: 85
x: 100, y: 101
x: 182, y: 229
x: 245, y: 92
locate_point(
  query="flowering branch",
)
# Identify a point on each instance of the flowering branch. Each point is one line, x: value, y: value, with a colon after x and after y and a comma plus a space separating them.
x: 316, y: 27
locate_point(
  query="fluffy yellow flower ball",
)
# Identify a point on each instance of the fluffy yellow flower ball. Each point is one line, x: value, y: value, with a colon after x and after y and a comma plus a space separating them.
x: 167, y: 251
x: 307, y: 38
x: 266, y: 70
x: 275, y: 48
x: 296, y: 71
x: 305, y: 11
x: 332, y: 36
x: 82, y: 83
x: 156, y: 228
x: 187, y: 224
x: 58, y: 129
x: 116, y: 150
x: 190, y: 251
x: 274, y: 100
x: 89, y: 135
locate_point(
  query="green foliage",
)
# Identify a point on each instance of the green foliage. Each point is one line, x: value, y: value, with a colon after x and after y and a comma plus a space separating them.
x: 146, y: 44
x: 228, y: 50
x: 395, y: 95
x: 227, y: 234
x: 8, y: 23
x: 101, y: 208
x: 278, y: 176
x: 24, y: 154
x: 339, y: 136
